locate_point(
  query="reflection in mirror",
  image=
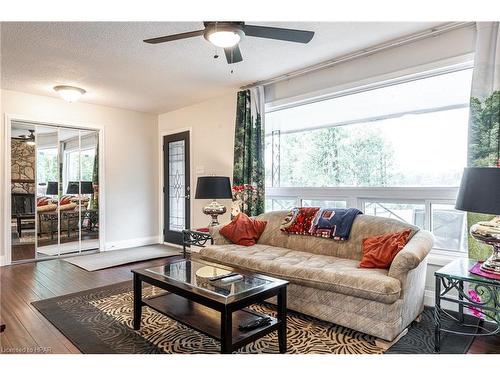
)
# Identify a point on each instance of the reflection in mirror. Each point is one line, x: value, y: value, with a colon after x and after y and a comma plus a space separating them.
x: 23, y: 223
x: 70, y: 204
x: 54, y: 191
x: 89, y: 189
x: 47, y: 181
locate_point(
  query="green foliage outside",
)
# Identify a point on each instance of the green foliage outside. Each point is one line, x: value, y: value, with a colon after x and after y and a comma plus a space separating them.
x: 484, y: 151
x: 336, y: 157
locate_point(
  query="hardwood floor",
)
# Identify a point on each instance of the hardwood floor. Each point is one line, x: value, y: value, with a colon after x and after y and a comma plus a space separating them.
x: 29, y: 332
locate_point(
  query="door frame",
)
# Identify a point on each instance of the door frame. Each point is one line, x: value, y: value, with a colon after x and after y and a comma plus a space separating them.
x: 161, y: 213
x: 8, y: 119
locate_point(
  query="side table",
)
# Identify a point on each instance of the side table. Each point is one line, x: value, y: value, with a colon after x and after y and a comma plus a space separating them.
x: 194, y: 238
x: 451, y: 283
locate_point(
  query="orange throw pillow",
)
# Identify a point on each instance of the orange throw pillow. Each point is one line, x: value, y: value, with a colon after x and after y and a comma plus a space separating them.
x: 243, y: 230
x: 380, y: 251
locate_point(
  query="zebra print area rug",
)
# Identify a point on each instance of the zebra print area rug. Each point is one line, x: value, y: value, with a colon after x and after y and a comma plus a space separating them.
x: 100, y: 321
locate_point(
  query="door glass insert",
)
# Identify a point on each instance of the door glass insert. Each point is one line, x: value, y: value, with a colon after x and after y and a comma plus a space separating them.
x: 176, y: 178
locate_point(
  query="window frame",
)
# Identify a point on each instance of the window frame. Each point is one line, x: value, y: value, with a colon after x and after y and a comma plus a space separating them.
x: 66, y: 156
x: 356, y: 197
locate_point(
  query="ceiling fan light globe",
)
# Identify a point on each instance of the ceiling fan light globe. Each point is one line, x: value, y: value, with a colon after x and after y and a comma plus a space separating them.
x: 70, y: 94
x: 224, y: 38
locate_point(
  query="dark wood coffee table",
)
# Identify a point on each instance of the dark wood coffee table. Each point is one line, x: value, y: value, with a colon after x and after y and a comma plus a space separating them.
x: 213, y: 308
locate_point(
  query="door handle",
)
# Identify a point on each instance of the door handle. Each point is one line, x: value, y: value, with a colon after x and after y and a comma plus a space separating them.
x: 187, y: 196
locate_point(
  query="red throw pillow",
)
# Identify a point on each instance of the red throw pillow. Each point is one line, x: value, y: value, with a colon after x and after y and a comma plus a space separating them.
x: 65, y: 199
x: 42, y: 201
x: 243, y: 230
x: 380, y: 251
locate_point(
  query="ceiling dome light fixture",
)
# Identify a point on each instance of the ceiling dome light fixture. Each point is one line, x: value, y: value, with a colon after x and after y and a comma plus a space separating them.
x: 224, y: 35
x: 69, y: 93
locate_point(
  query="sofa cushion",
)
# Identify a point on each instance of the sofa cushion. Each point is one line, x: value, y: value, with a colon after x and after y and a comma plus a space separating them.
x: 303, y: 268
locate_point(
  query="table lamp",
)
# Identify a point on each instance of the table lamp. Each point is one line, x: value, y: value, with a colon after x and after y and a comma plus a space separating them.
x: 84, y: 188
x: 52, y: 188
x: 480, y: 192
x: 213, y: 187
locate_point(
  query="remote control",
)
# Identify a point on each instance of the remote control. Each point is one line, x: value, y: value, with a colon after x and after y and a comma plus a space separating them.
x: 215, y: 278
x: 261, y: 322
x: 231, y: 279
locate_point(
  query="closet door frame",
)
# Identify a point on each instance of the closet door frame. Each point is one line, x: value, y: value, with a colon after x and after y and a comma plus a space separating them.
x: 5, y: 189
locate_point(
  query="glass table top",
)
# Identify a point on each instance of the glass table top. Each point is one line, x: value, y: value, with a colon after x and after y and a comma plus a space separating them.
x: 459, y: 269
x: 197, y: 274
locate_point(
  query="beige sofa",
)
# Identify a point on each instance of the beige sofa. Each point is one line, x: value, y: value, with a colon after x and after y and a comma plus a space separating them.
x: 325, y: 281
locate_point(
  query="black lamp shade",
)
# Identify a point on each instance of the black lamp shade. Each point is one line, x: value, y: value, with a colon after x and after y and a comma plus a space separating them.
x: 480, y: 191
x: 213, y: 187
x: 52, y: 188
x: 73, y: 187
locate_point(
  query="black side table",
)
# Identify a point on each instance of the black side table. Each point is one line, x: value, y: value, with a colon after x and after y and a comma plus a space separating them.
x: 451, y: 285
x: 194, y: 238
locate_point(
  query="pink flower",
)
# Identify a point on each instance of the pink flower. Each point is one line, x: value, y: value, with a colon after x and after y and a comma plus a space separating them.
x: 475, y: 297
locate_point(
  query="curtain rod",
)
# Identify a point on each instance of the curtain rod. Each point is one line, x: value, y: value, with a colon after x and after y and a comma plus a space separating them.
x: 364, y: 52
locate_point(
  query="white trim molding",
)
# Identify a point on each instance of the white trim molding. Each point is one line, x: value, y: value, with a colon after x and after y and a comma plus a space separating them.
x: 133, y: 242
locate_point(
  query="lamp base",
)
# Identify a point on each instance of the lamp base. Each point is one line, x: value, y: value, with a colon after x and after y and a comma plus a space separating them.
x: 214, y: 209
x: 489, y: 233
x: 492, y: 264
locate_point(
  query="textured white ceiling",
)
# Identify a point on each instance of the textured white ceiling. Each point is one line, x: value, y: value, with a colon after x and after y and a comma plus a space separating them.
x: 110, y: 61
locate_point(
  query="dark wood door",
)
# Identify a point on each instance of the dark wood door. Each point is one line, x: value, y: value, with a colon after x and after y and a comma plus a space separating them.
x: 176, y: 186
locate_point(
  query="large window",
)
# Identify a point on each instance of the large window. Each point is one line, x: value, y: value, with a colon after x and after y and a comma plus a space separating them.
x: 76, y: 159
x: 395, y: 150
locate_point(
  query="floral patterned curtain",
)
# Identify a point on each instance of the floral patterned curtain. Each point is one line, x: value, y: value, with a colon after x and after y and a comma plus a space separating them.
x: 484, y: 126
x: 248, y: 175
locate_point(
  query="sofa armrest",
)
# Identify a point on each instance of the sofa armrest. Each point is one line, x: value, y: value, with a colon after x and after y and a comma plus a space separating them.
x: 219, y: 239
x: 411, y: 255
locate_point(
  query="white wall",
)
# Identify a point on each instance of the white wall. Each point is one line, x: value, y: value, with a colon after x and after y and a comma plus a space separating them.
x: 131, y: 161
x: 212, y: 141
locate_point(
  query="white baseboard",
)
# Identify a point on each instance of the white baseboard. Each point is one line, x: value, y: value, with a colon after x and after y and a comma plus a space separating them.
x: 133, y: 242
x: 173, y: 245
x: 3, y: 260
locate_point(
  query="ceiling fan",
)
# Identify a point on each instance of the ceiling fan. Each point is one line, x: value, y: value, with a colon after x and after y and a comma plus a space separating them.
x: 28, y: 138
x: 227, y: 35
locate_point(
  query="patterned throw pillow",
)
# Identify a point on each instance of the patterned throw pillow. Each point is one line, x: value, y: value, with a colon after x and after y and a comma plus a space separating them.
x: 299, y: 220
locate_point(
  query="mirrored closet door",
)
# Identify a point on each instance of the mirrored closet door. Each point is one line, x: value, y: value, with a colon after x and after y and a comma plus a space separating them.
x: 57, y: 211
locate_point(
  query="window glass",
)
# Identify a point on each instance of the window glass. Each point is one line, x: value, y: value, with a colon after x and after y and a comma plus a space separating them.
x: 323, y: 203
x: 407, y: 134
x: 278, y: 204
x: 411, y: 213
x: 449, y: 227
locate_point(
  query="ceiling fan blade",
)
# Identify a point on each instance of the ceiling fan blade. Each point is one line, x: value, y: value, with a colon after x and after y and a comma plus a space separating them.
x: 233, y: 54
x: 168, y: 38
x: 289, y: 35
